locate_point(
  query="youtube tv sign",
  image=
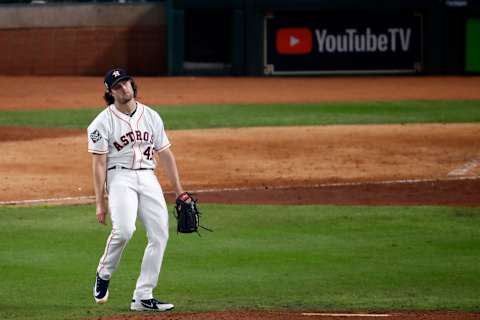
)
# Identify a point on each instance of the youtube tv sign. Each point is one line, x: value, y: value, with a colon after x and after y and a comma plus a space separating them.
x: 336, y: 43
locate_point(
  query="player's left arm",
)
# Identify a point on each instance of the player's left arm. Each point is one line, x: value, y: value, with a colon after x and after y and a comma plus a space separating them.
x: 167, y: 159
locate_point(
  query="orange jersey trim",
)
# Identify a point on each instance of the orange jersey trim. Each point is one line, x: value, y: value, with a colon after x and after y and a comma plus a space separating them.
x: 97, y: 151
x: 163, y: 148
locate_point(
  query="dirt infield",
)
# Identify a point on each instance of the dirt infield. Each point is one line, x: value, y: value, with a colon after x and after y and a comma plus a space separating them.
x: 86, y: 92
x: 263, y: 164
x: 258, y: 315
x: 381, y: 164
x: 399, y: 164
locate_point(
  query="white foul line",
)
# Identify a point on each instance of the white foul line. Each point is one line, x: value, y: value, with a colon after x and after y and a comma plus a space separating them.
x: 48, y: 200
x: 91, y: 199
x: 464, y: 168
x: 372, y: 315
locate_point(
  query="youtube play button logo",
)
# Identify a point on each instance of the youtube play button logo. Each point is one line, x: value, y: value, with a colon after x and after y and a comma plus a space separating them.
x: 294, y: 41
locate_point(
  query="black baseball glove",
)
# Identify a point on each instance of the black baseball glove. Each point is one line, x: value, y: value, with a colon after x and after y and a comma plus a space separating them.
x: 187, y: 214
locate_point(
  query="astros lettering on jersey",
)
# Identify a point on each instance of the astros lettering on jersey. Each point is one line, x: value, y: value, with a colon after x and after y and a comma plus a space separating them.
x: 129, y: 140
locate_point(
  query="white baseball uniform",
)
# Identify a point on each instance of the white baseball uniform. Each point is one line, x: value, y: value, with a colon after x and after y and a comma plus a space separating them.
x: 132, y: 188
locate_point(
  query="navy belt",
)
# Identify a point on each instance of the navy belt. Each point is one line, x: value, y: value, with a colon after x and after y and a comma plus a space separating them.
x: 125, y: 168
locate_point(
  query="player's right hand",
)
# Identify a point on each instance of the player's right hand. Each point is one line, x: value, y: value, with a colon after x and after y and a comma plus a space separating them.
x: 101, y: 215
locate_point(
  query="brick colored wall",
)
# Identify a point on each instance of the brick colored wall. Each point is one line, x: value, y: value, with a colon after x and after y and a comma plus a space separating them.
x: 82, y: 51
x: 82, y: 39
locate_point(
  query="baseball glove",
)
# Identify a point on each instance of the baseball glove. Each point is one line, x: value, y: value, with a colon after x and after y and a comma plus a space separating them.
x: 187, y: 214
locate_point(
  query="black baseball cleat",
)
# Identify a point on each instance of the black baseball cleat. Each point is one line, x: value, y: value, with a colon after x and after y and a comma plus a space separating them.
x: 100, y: 290
x: 150, y: 305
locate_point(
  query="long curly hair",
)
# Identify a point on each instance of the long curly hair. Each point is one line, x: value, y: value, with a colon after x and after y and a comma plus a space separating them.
x: 109, y: 99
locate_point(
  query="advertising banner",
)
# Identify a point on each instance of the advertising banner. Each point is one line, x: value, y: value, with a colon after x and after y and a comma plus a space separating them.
x: 342, y: 43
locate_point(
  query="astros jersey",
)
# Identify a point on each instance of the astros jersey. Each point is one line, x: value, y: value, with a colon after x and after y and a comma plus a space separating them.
x: 128, y: 141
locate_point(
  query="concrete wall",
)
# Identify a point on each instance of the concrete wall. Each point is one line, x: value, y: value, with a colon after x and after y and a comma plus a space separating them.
x: 82, y: 39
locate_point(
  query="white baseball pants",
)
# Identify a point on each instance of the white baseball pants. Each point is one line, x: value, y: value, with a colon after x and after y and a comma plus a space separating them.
x: 132, y: 193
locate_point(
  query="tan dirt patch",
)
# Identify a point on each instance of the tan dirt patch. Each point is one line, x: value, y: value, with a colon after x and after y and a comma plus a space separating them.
x: 86, y: 92
x: 253, y: 158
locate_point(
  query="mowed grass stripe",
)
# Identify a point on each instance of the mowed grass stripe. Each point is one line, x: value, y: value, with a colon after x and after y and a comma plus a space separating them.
x: 217, y: 116
x: 258, y: 257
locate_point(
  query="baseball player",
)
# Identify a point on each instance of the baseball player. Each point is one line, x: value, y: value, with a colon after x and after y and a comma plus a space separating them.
x: 123, y: 140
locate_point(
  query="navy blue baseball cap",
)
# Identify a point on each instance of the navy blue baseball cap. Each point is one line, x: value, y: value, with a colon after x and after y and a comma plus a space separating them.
x: 114, y: 76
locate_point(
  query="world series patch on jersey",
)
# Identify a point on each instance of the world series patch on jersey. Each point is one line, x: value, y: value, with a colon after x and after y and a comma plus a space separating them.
x: 129, y: 141
x: 95, y: 136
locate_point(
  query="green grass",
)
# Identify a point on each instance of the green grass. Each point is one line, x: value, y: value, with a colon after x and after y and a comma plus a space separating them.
x: 215, y: 116
x: 259, y: 257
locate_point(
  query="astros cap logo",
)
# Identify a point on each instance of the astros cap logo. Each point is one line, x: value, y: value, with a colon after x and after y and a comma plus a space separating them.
x: 114, y: 76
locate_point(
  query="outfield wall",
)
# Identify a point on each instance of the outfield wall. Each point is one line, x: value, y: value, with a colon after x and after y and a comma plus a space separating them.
x: 82, y: 39
x: 286, y: 37
x: 242, y: 37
